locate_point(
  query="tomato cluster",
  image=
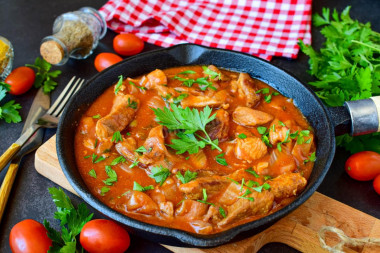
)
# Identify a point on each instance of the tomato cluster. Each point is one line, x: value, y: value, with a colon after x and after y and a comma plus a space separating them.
x: 365, y: 166
x: 124, y: 44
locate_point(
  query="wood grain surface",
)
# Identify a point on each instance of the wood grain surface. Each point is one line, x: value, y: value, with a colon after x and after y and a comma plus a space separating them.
x: 298, y: 230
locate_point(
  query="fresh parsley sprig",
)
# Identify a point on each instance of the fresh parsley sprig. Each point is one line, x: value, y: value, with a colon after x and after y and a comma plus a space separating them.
x: 9, y: 111
x: 44, y: 77
x: 187, y: 176
x: 190, y: 122
x: 71, y: 219
x: 160, y: 174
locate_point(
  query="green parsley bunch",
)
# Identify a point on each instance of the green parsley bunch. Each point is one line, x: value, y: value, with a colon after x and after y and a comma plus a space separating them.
x: 347, y: 67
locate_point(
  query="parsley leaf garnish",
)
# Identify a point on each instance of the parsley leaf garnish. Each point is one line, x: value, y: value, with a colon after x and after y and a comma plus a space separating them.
x: 92, y: 173
x: 187, y: 177
x: 132, y: 104
x: 251, y: 171
x: 222, y: 212
x: 141, y: 149
x: 44, y: 78
x: 211, y: 73
x: 116, y: 137
x: 264, y: 135
x: 138, y: 187
x: 242, y: 136
x: 159, y: 174
x: 9, y: 111
x: 135, y: 163
x: 219, y: 159
x: 97, y: 116
x: 204, y: 200
x: 118, y: 85
x: 71, y: 220
x: 190, y: 121
x: 311, y: 158
x: 118, y: 160
x: 139, y: 87
x: 104, y: 190
x: 112, y: 176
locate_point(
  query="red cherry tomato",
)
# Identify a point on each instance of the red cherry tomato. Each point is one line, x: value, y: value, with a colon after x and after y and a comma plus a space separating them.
x: 104, y: 236
x: 127, y: 44
x: 376, y: 184
x: 29, y: 236
x: 104, y: 60
x: 363, y: 166
x: 21, y: 79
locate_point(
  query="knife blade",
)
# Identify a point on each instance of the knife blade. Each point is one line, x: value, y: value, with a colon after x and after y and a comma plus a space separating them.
x: 39, y: 106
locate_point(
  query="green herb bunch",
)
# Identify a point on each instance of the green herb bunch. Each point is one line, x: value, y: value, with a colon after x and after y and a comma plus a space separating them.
x: 8, y: 111
x: 347, y: 67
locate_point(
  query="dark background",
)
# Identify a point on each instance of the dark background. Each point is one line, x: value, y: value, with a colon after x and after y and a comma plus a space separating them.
x: 25, y: 23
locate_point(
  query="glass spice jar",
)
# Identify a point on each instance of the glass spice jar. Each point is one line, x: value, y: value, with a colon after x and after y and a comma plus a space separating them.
x: 75, y: 35
x: 6, y: 58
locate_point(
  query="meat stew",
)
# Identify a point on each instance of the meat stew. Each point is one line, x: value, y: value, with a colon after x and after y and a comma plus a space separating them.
x: 195, y: 148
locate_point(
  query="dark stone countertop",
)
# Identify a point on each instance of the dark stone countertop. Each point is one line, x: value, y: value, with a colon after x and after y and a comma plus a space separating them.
x: 25, y: 23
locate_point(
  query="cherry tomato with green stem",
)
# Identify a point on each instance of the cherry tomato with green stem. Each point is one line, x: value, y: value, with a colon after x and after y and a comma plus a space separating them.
x: 29, y: 236
x: 363, y: 166
x: 104, y: 236
x: 127, y: 44
x: 105, y: 60
x: 21, y: 79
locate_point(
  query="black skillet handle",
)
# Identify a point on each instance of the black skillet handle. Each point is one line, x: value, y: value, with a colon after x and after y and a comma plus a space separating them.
x: 357, y: 117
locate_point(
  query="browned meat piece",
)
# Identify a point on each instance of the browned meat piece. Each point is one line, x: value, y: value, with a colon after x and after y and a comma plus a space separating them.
x: 287, y: 185
x: 201, y: 227
x: 167, y: 208
x: 156, y: 78
x: 247, y: 90
x: 170, y: 190
x: 86, y: 126
x: 155, y: 146
x: 302, y: 151
x: 213, y: 185
x: 249, y: 117
x: 191, y: 209
x: 221, y: 76
x: 212, y: 214
x: 218, y: 128
x: 122, y: 113
x: 243, y: 208
x: 156, y: 102
x: 198, y: 160
x: 230, y: 195
x: 250, y: 149
x: 139, y: 202
x: 280, y: 162
x: 127, y: 148
x: 279, y: 133
x: 104, y: 146
x: 201, y: 101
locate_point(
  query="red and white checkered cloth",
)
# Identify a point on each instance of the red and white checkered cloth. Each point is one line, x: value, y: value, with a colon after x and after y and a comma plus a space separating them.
x: 265, y: 28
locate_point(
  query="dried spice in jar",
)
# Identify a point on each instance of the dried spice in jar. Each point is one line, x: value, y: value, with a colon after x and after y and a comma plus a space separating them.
x: 6, y: 58
x: 75, y: 35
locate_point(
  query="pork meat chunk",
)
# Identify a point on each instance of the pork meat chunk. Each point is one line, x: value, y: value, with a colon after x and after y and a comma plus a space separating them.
x: 249, y: 117
x: 138, y: 202
x: 260, y: 204
x: 250, y: 149
x: 218, y: 128
x: 155, y: 146
x: 122, y: 113
x: 192, y: 209
x: 246, y: 89
x: 201, y: 101
x: 127, y: 148
x: 287, y: 185
x: 213, y: 185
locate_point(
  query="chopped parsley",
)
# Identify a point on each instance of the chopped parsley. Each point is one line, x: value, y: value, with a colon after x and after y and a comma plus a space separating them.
x: 242, y: 136
x: 264, y: 186
x: 204, y: 200
x: 284, y: 141
x: 132, y: 104
x: 246, y: 193
x: 222, y: 212
x: 263, y: 91
x: 104, y: 190
x: 134, y: 163
x: 211, y: 73
x: 116, y: 137
x: 300, y: 136
x: 97, y: 116
x: 311, y: 158
x: 264, y: 135
x: 141, y: 149
x: 96, y: 143
x: 219, y: 159
x: 138, y: 187
x: 92, y: 173
x: 251, y: 171
x: 187, y: 176
x: 233, y: 181
x: 112, y: 176
x: 178, y: 99
x: 118, y: 85
x: 96, y: 159
x: 268, y: 98
x: 139, y: 87
x: 87, y: 156
x: 118, y: 160
x: 159, y: 174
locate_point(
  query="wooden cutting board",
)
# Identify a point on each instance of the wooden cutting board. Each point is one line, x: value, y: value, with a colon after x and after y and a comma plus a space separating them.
x: 298, y: 230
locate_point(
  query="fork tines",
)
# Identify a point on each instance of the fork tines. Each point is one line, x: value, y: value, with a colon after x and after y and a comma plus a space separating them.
x: 71, y: 88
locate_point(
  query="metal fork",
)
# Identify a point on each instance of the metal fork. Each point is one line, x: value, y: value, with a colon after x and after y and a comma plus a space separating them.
x: 48, y: 120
